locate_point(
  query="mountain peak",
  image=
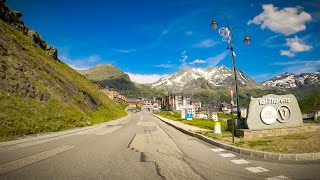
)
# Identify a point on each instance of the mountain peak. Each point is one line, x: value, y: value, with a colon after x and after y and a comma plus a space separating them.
x: 102, y: 65
x: 213, y: 75
x: 289, y: 80
x: 288, y: 74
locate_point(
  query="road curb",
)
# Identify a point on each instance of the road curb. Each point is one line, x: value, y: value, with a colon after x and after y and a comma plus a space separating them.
x: 248, y: 152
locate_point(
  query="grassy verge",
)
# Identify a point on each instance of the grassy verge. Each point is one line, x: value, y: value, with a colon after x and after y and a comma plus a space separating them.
x: 24, y: 116
x: 224, y: 116
x: 295, y: 143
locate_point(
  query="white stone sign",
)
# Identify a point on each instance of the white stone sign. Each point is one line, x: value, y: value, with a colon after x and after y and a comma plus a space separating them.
x: 273, y: 111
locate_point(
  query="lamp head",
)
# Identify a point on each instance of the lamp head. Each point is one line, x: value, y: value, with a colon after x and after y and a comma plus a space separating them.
x: 214, y: 25
x: 247, y: 40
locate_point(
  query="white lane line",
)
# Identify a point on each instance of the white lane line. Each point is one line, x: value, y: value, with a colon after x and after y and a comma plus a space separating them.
x: 240, y: 161
x: 227, y: 155
x: 217, y: 150
x: 101, y: 130
x: 27, y: 144
x: 278, y: 178
x: 14, y: 165
x: 256, y: 169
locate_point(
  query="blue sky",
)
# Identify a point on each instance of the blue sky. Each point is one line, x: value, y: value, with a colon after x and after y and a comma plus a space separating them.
x: 149, y: 39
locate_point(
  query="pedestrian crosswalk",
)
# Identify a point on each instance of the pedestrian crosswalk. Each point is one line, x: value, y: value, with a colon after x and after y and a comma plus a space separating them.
x: 252, y: 169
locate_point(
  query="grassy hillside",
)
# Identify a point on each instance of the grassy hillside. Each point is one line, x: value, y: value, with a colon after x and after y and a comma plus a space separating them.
x: 40, y: 94
x: 112, y: 77
x: 308, y: 98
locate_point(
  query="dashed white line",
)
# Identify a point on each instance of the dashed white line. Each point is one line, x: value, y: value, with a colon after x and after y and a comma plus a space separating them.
x: 240, y: 161
x: 278, y: 178
x: 101, y: 130
x: 257, y: 169
x: 217, y: 150
x: 227, y: 155
x: 14, y: 165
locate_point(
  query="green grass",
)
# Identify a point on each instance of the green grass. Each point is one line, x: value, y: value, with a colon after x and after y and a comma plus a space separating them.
x: 259, y: 143
x: 36, y: 116
x: 68, y: 94
x: 294, y: 143
x: 225, y: 116
x: 254, y: 144
x: 206, y: 124
x: 171, y: 115
x: 201, y: 123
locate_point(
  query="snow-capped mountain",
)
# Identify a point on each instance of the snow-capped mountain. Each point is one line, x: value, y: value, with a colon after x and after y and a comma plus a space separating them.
x: 289, y: 80
x: 215, y: 76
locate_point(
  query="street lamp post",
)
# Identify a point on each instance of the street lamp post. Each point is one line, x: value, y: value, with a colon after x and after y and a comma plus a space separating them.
x: 167, y: 99
x: 227, y: 35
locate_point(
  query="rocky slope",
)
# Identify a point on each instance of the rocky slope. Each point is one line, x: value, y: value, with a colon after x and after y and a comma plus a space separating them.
x: 289, y: 80
x: 204, y: 78
x: 39, y: 93
x: 13, y: 18
x: 112, y: 77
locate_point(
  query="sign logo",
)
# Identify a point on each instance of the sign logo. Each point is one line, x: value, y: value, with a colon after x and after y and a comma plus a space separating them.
x: 268, y: 115
x: 283, y: 114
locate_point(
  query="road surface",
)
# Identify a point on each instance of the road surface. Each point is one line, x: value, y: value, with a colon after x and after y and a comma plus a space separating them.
x: 139, y: 146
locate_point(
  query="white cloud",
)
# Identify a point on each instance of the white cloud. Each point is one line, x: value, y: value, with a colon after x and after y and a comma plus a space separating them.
x: 285, y: 63
x: 183, y: 59
x: 263, y: 77
x: 271, y: 41
x: 296, y: 45
x: 189, y: 33
x: 198, y: 61
x: 205, y: 43
x: 164, y: 32
x: 80, y: 63
x: 145, y: 78
x: 166, y: 65
x: 286, y: 53
x: 124, y: 50
x: 287, y: 21
x: 216, y: 59
x: 298, y: 67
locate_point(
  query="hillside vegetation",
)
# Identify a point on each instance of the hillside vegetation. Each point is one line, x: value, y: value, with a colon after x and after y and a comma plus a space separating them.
x: 112, y: 77
x: 41, y: 94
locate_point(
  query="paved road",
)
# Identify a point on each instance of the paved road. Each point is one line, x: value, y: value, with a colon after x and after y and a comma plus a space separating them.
x: 137, y: 147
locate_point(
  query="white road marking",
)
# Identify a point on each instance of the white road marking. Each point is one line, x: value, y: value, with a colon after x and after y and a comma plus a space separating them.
x: 240, y: 161
x: 227, y: 155
x: 278, y: 178
x: 256, y: 169
x: 101, y: 130
x: 14, y: 165
x: 27, y: 144
x: 217, y: 150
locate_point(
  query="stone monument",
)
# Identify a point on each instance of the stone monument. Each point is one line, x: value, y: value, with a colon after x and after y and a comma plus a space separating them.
x: 274, y: 111
x: 274, y: 115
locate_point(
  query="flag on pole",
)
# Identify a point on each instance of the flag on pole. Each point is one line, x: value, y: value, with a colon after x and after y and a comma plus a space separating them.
x: 231, y: 95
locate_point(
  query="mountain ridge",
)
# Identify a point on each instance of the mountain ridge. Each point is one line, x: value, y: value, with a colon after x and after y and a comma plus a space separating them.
x: 111, y: 77
x: 213, y: 75
x: 289, y: 80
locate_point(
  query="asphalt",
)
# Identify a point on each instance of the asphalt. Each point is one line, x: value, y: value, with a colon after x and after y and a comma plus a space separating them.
x: 192, y: 131
x: 139, y: 146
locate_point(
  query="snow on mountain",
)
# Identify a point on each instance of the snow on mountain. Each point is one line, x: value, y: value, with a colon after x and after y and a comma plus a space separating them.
x: 217, y: 76
x: 289, y: 80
